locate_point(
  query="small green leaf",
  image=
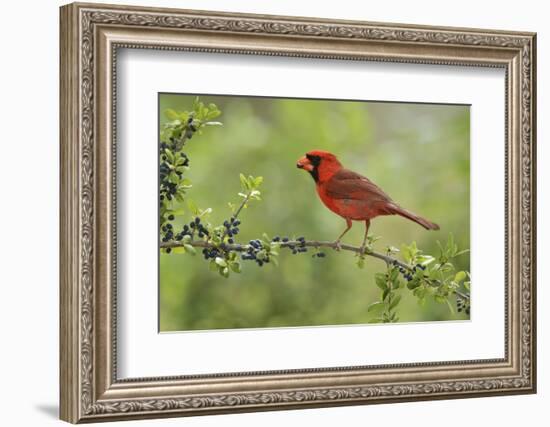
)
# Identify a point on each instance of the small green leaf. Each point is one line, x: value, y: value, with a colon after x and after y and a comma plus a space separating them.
x: 395, y: 302
x: 171, y: 114
x: 169, y: 155
x: 258, y: 181
x: 192, y: 207
x: 221, y: 262
x: 236, y: 266
x: 376, y: 306
x: 190, y: 249
x: 413, y: 284
x: 464, y: 251
x: 244, y: 182
x: 425, y: 259
x: 460, y: 276
x: 380, y: 279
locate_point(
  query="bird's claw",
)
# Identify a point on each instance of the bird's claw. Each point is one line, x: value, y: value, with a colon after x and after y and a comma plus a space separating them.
x: 337, y: 246
x: 365, y: 249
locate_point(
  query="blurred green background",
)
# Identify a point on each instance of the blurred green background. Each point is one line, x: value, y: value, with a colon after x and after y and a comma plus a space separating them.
x: 418, y: 153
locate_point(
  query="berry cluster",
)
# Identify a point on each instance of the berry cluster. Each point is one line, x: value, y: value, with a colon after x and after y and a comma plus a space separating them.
x: 295, y: 248
x: 231, y: 228
x: 256, y: 252
x: 462, y: 305
x: 191, y: 128
x: 168, y: 189
x: 408, y: 274
x: 211, y: 253
x: 194, y: 227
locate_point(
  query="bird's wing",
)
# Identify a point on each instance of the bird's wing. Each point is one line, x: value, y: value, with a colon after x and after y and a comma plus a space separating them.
x: 350, y: 185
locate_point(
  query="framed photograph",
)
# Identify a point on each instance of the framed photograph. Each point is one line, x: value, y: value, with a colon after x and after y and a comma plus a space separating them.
x: 266, y: 212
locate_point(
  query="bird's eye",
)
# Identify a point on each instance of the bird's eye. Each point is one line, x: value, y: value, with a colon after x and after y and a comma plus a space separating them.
x: 315, y: 160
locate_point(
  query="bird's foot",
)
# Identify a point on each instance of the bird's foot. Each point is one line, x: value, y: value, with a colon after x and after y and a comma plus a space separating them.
x: 365, y: 249
x: 337, y: 246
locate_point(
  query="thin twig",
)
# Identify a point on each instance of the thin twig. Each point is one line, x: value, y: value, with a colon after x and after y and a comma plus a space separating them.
x: 245, y: 200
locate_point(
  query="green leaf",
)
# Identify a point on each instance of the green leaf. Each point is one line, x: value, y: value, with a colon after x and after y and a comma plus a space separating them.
x: 425, y: 259
x: 406, y: 253
x: 169, y: 155
x: 235, y: 266
x: 192, y: 207
x: 224, y: 272
x: 173, y: 177
x: 460, y: 276
x: 221, y: 262
x: 190, y: 249
x: 258, y: 181
x: 380, y: 279
x: 394, y: 302
x: 413, y: 284
x: 376, y: 306
x: 171, y: 114
x: 178, y: 250
x: 394, y: 274
x: 244, y: 182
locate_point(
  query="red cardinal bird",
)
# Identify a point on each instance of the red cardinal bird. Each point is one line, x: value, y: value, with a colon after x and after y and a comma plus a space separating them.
x: 350, y: 195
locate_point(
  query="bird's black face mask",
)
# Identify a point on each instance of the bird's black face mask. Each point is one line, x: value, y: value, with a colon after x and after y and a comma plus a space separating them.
x: 315, y: 162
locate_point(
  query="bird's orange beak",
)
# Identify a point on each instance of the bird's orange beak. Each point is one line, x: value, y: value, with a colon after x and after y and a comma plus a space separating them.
x: 305, y: 164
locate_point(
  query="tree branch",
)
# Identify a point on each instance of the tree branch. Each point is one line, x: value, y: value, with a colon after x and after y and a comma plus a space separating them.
x: 291, y: 243
x: 238, y: 247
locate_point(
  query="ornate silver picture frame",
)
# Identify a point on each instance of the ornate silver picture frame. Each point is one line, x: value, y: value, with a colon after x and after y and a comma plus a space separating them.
x: 91, y: 34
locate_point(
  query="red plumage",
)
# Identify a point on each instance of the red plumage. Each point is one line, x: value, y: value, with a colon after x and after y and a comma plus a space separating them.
x: 351, y: 195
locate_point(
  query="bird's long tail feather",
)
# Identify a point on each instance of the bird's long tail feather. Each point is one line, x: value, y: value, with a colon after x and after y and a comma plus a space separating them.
x: 428, y: 225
